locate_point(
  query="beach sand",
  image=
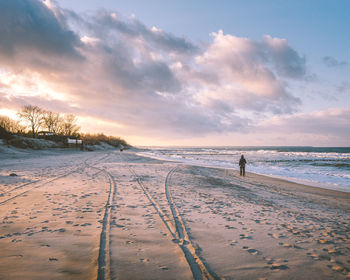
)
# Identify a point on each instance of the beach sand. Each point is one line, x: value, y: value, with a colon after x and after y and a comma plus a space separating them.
x: 112, y: 215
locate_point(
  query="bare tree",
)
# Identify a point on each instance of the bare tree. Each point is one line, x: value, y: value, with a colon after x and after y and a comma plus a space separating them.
x: 34, y: 116
x: 10, y: 125
x: 69, y: 126
x: 52, y: 121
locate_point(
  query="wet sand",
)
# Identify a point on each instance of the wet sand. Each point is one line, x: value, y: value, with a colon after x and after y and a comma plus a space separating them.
x: 111, y: 215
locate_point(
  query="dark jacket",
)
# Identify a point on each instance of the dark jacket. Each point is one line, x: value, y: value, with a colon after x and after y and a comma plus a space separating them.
x: 242, y: 161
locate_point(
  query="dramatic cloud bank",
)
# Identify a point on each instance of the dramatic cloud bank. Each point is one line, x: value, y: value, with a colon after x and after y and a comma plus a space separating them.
x: 144, y: 79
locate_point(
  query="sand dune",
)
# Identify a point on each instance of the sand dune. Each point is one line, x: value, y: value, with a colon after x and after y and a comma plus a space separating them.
x: 111, y: 215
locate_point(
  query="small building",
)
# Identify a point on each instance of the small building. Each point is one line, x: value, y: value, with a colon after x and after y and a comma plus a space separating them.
x: 74, y: 143
x: 47, y: 135
x: 62, y: 140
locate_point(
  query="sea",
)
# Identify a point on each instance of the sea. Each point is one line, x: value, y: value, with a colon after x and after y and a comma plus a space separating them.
x: 316, y: 166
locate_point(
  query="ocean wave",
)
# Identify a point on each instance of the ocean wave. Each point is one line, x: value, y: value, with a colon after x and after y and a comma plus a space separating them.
x: 317, y: 165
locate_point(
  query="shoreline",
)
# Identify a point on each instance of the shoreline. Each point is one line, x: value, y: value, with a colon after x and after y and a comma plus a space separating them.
x: 327, y: 186
x: 301, y: 186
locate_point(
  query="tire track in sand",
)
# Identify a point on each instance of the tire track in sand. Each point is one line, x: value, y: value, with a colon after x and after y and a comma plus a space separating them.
x: 198, y: 268
x: 39, y: 183
x: 35, y: 185
x: 176, y: 228
x: 103, y: 272
x: 104, y: 254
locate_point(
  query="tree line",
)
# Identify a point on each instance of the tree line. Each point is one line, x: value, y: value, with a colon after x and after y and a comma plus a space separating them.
x: 34, y: 119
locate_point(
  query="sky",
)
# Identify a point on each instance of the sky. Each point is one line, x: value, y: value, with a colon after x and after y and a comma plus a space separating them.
x: 193, y: 73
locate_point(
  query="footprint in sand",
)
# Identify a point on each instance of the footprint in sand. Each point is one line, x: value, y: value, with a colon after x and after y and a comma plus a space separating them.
x: 277, y: 266
x: 314, y: 256
x: 233, y: 242
x: 331, y: 251
x: 229, y: 227
x: 86, y: 224
x: 245, y: 236
x: 248, y: 229
x: 323, y: 241
x: 337, y: 268
x: 276, y: 236
x: 16, y: 240
x: 288, y: 245
x: 252, y: 251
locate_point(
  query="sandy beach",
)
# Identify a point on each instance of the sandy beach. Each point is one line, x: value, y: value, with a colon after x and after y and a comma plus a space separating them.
x: 111, y: 215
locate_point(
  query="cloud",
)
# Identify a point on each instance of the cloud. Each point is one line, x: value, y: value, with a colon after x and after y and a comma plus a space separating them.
x: 146, y: 79
x: 247, y: 80
x: 29, y: 27
x: 133, y: 29
x: 333, y: 123
x: 285, y: 59
x: 332, y: 62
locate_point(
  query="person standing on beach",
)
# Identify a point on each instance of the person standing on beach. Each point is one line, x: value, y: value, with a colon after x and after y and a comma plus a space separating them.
x: 242, y: 163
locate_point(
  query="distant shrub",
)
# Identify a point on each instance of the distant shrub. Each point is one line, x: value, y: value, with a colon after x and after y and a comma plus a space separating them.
x: 30, y: 143
x: 96, y: 139
x: 4, y: 134
x: 18, y: 143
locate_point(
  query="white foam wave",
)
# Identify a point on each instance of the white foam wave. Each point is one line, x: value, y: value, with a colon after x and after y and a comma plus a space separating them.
x: 296, y: 166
